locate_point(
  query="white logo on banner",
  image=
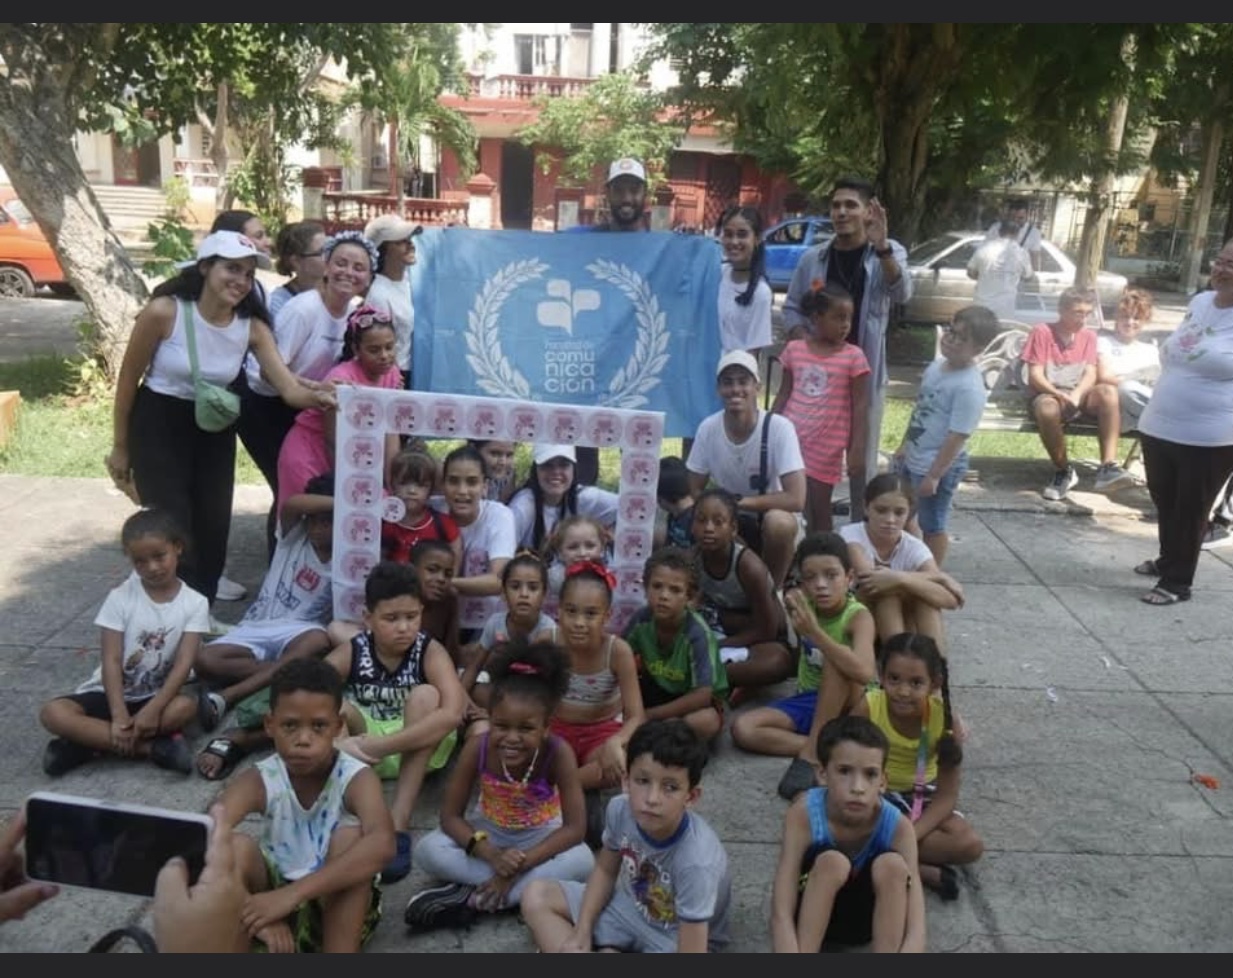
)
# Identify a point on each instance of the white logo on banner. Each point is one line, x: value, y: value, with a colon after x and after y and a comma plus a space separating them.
x: 570, y: 368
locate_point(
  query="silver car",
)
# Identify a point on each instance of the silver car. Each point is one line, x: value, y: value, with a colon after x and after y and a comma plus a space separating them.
x: 941, y: 287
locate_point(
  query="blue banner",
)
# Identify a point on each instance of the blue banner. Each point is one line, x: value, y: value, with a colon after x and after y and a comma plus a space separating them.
x: 623, y: 320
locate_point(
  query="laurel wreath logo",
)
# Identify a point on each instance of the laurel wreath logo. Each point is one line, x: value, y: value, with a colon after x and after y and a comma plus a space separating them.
x: 640, y: 375
x: 494, y: 374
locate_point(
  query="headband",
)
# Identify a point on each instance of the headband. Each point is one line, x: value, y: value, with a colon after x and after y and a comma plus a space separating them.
x: 355, y: 238
x: 592, y: 567
x: 523, y: 668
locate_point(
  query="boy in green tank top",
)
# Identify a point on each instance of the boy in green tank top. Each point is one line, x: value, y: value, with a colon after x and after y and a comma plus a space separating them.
x: 679, y: 668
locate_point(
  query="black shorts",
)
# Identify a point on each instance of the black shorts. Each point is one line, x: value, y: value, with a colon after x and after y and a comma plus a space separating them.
x: 94, y: 704
x: 851, y: 921
x: 749, y: 526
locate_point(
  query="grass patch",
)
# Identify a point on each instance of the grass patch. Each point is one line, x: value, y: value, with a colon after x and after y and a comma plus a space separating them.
x: 62, y: 433
x: 994, y: 444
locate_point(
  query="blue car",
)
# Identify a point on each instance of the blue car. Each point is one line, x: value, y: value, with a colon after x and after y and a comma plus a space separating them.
x: 787, y: 241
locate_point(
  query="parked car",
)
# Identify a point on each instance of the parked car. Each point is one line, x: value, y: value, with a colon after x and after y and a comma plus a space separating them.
x: 941, y: 287
x: 787, y: 241
x: 26, y: 259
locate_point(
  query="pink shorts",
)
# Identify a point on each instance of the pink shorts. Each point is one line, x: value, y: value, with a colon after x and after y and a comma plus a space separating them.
x: 585, y: 738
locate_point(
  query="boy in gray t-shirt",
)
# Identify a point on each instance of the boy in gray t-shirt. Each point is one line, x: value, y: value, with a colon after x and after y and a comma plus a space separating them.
x: 661, y: 882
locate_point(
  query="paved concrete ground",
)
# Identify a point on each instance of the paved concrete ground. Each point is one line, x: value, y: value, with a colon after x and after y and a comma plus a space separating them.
x: 1089, y: 714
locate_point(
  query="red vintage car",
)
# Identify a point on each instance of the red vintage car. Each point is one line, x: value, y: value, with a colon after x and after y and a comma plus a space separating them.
x: 26, y: 259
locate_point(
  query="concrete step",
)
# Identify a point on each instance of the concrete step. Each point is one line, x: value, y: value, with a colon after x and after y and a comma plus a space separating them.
x: 130, y: 208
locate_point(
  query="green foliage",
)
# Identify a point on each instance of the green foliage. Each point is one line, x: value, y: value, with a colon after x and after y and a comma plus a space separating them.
x: 615, y: 116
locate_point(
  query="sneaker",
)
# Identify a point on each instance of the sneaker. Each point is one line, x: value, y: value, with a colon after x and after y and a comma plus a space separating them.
x: 400, y: 865
x: 800, y: 776
x: 1217, y: 536
x: 1063, y: 481
x: 172, y: 753
x: 447, y: 905
x: 229, y: 590
x: 61, y: 756
x: 1111, y: 476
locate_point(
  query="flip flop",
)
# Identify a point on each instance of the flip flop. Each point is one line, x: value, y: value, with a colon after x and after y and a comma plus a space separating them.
x: 227, y: 751
x: 1159, y: 596
x: 1147, y: 569
x: 210, y: 709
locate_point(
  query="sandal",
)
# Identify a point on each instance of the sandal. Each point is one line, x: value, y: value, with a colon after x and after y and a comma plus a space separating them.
x: 1160, y: 596
x: 227, y: 751
x: 800, y: 776
x: 1147, y: 569
x: 947, y: 887
x: 210, y: 709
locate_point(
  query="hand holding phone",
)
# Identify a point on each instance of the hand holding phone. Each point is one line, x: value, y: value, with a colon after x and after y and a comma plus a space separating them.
x: 18, y: 894
x: 207, y: 916
x: 84, y: 842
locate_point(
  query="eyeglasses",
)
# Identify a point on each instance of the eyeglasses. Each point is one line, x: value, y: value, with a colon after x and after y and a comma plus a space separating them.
x: 1223, y: 263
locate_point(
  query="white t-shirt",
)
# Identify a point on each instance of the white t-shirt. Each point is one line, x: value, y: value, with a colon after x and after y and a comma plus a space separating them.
x: 1192, y: 403
x: 309, y: 340
x: 1136, y: 360
x: 949, y: 400
x: 491, y: 537
x: 220, y: 354
x: 909, y: 553
x: 599, y: 504
x: 999, y: 267
x: 152, y: 632
x: 297, y: 585
x: 394, y: 299
x: 734, y: 467
x: 743, y: 327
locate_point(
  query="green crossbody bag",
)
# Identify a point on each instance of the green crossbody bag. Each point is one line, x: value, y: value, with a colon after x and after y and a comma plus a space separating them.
x: 215, y: 408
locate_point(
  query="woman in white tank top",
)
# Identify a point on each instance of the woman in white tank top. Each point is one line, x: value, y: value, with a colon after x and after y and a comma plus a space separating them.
x: 156, y: 443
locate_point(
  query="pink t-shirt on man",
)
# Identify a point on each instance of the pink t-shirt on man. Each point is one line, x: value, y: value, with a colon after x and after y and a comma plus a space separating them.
x: 1064, y: 364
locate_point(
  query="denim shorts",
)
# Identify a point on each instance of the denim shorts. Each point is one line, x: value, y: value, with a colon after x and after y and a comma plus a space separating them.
x: 933, y: 512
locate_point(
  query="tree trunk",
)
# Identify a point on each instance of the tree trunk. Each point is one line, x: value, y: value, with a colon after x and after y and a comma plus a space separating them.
x: 1100, y: 200
x: 1200, y: 214
x: 36, y: 149
x: 917, y: 63
x: 219, y: 152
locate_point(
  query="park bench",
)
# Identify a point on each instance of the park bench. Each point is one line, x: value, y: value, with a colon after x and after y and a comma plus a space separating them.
x: 1005, y: 378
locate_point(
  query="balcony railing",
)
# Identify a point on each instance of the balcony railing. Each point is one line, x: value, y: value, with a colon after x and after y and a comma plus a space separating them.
x: 196, y: 173
x: 354, y: 210
x: 526, y: 87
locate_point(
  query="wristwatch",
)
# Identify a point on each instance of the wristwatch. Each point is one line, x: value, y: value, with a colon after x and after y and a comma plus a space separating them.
x: 884, y: 252
x: 475, y: 840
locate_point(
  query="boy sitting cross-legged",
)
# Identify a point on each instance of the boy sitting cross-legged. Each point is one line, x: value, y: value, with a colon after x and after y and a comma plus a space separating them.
x: 403, y: 698
x: 661, y: 881
x: 848, y: 870
x: 287, y: 620
x: 326, y: 831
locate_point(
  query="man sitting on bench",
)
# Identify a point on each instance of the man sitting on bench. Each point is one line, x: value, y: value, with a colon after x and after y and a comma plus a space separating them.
x: 1062, y: 382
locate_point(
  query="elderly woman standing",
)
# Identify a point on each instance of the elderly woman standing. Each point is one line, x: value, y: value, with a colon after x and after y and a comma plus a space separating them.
x: 1187, y: 433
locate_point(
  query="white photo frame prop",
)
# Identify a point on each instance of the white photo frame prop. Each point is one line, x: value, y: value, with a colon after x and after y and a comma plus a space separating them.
x: 367, y: 414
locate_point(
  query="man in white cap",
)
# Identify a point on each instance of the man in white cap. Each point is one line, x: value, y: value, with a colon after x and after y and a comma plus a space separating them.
x: 625, y: 190
x: 728, y: 450
x: 390, y: 291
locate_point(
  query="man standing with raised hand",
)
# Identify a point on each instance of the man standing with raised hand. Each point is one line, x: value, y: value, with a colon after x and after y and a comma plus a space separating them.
x: 863, y: 261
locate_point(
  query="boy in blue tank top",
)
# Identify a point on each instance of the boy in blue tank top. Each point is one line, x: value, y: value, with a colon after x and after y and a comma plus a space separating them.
x: 848, y: 870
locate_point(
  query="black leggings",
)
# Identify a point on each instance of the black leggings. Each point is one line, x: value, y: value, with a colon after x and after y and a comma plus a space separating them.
x: 1184, y: 481
x: 264, y: 423
x: 188, y: 472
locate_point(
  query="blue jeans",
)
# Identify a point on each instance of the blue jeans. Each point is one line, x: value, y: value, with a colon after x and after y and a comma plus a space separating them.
x: 933, y: 512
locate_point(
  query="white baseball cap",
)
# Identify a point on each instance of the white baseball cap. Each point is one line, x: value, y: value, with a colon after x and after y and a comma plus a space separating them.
x: 390, y: 227
x: 738, y: 358
x: 227, y: 244
x: 627, y: 166
x: 546, y: 453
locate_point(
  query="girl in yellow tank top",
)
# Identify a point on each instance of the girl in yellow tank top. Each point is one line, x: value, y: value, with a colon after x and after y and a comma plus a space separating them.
x: 912, y: 707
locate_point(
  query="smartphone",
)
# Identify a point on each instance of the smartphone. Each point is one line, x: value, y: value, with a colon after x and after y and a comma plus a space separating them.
x: 104, y: 845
